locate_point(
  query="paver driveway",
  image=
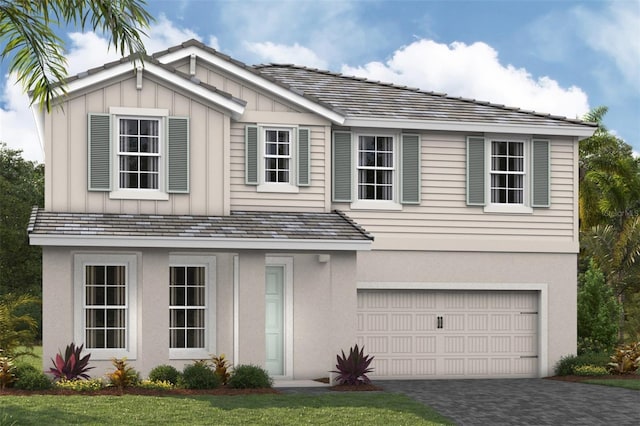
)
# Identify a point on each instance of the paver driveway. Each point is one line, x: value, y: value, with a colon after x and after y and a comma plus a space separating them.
x: 523, y: 401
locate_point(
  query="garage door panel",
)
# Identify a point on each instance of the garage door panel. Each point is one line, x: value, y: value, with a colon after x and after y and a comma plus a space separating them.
x: 481, y: 334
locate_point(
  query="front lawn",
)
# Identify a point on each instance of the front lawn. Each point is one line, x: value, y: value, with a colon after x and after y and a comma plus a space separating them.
x: 619, y: 383
x: 344, y: 408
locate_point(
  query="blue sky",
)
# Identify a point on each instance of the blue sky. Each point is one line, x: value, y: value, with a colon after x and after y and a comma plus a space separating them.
x: 561, y: 57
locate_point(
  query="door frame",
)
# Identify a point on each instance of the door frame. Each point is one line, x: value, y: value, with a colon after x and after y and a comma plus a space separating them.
x: 287, y: 264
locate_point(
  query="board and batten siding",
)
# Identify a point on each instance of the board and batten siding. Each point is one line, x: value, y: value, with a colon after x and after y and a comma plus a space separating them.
x: 66, y: 171
x: 443, y: 220
x: 257, y: 100
x: 313, y: 197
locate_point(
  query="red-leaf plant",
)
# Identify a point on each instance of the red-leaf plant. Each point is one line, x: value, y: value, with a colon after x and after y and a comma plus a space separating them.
x: 352, y: 370
x: 72, y: 366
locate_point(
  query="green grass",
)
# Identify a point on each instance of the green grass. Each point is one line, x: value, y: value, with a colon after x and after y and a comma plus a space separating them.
x: 36, y: 360
x: 627, y: 384
x: 270, y: 409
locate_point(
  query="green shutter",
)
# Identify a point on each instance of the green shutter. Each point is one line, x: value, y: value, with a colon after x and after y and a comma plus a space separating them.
x: 251, y: 155
x: 410, y: 169
x: 342, y: 167
x: 304, y: 148
x: 475, y: 171
x: 178, y: 154
x: 540, y: 174
x: 99, y: 152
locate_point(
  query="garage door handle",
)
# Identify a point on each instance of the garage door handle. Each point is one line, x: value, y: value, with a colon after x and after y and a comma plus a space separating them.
x: 440, y: 325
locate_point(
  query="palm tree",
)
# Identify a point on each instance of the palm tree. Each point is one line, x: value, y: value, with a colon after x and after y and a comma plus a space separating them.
x: 36, y: 53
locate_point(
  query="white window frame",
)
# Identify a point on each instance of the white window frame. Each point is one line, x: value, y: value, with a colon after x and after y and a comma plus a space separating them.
x: 364, y: 204
x: 264, y: 186
x: 161, y: 115
x: 209, y: 263
x: 525, y: 206
x: 129, y: 261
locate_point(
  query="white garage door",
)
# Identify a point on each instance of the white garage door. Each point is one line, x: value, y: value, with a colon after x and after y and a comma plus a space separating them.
x: 449, y: 334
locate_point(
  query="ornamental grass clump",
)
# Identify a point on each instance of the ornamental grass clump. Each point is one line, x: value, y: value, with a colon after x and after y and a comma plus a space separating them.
x: 72, y: 366
x: 353, y: 369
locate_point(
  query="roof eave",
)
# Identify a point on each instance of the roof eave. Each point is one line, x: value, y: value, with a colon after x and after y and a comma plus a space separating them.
x: 66, y: 240
x: 230, y: 104
x: 580, y: 131
x: 253, y: 78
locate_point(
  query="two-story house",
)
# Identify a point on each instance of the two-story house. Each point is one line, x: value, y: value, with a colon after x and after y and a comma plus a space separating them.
x: 280, y: 214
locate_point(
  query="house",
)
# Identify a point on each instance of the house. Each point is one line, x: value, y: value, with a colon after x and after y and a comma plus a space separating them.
x: 279, y: 214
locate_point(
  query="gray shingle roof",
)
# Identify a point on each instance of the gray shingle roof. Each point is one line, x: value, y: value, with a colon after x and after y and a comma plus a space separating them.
x: 361, y: 98
x: 334, y: 226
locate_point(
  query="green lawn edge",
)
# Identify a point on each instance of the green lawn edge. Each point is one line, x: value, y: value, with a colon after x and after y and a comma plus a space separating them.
x: 344, y: 408
x: 619, y: 383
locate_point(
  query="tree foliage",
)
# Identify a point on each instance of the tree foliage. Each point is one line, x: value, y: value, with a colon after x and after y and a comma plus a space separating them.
x: 36, y: 53
x: 598, y: 313
x: 21, y: 188
x: 17, y: 329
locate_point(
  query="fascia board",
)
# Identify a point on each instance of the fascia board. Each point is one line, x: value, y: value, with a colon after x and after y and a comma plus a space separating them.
x: 579, y: 131
x: 199, y: 242
x: 253, y: 79
x: 117, y: 70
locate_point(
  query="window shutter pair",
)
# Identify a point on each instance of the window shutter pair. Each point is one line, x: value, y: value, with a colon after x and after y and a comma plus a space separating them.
x: 343, y: 167
x: 99, y: 153
x: 540, y: 193
x: 252, y: 156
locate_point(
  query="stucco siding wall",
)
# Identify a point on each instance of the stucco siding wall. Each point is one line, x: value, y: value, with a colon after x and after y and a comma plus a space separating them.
x: 443, y: 221
x: 557, y: 271
x: 66, y: 151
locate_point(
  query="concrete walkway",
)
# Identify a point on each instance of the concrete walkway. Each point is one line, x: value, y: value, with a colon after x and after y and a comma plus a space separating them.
x: 523, y: 401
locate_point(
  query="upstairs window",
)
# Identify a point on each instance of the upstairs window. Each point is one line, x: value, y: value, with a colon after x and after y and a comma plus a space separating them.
x: 507, y: 172
x: 277, y: 155
x: 375, y: 168
x: 139, y: 153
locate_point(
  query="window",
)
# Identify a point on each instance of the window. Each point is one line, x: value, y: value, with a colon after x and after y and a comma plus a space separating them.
x: 191, y: 285
x: 507, y: 172
x: 187, y: 310
x: 376, y: 171
x: 277, y: 155
x: 277, y: 159
x: 375, y: 168
x: 105, y: 315
x: 138, y: 153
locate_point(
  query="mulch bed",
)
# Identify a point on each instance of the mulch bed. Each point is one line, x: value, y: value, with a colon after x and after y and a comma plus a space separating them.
x: 583, y: 378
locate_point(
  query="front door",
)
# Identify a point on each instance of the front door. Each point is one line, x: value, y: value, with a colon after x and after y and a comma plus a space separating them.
x: 274, y: 319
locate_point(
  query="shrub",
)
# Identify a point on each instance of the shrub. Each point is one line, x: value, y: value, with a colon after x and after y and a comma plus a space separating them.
x: 164, y: 373
x: 568, y: 364
x: 250, y: 377
x: 590, y: 370
x: 221, y: 368
x: 626, y: 359
x: 79, y: 385
x: 199, y: 376
x: 124, y: 375
x: 29, y: 377
x: 73, y: 365
x: 7, y: 371
x: 156, y: 384
x: 352, y: 370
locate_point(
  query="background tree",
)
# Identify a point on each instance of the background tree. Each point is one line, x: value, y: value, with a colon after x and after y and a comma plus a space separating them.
x: 598, y: 313
x: 36, y: 53
x: 609, y: 203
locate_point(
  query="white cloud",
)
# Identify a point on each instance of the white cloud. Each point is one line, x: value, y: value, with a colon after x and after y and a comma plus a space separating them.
x: 17, y: 126
x: 615, y: 32
x: 87, y: 50
x: 280, y: 53
x: 473, y: 71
